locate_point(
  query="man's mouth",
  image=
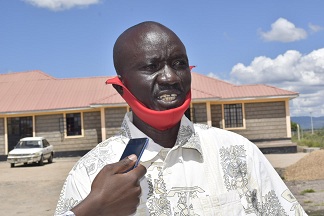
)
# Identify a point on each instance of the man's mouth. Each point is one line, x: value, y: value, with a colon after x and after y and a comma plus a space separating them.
x: 168, y: 97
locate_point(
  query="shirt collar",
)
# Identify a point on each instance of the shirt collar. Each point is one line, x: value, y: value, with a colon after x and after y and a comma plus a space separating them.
x: 187, y: 138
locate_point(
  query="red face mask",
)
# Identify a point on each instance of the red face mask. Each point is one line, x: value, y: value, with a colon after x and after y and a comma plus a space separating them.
x: 161, y: 120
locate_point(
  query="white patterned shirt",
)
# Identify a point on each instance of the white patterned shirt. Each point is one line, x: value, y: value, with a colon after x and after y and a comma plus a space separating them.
x: 209, y: 171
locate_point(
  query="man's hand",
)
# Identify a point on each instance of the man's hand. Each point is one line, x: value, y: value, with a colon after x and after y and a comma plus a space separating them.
x: 114, y: 192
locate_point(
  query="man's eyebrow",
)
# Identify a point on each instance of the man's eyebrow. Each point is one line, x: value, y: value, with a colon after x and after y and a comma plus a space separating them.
x: 178, y: 54
x: 151, y: 58
x: 182, y: 56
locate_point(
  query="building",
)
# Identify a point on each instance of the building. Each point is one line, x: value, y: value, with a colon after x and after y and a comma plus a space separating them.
x: 75, y: 114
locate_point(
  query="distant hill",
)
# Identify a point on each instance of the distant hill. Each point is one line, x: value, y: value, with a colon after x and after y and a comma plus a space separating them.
x: 305, y: 122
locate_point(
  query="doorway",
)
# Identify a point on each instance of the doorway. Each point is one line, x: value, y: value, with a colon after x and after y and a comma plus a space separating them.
x: 18, y: 127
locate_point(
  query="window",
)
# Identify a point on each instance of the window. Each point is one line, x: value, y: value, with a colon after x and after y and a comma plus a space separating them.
x: 233, y: 115
x: 73, y: 124
x: 45, y: 143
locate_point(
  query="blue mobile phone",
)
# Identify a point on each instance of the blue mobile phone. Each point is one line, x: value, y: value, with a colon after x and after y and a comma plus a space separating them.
x: 135, y: 146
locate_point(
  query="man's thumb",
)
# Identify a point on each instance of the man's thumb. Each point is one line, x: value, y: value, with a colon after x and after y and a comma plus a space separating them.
x: 126, y: 164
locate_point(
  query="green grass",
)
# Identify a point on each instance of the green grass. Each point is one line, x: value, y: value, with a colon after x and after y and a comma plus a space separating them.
x: 307, y: 191
x: 309, y: 139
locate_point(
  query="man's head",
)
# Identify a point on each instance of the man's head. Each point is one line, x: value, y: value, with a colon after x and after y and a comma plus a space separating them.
x: 152, y: 63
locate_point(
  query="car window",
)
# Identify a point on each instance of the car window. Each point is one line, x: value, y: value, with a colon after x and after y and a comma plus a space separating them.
x: 45, y: 143
x: 20, y: 144
x: 29, y: 144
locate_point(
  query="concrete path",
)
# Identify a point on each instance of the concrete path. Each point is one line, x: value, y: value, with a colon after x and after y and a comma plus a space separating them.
x: 284, y: 160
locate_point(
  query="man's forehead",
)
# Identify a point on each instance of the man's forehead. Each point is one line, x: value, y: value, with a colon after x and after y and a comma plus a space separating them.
x: 143, y: 41
x: 151, y: 40
x: 155, y: 37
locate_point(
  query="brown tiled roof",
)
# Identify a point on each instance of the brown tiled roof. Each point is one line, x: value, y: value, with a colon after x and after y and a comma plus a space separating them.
x: 35, y: 91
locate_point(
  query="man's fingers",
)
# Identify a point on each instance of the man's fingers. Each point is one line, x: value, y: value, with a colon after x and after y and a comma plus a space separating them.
x: 125, y: 164
x: 139, y: 171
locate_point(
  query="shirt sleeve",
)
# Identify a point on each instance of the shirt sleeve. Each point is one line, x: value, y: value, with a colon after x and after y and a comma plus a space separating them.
x: 76, y: 187
x: 68, y: 213
x: 269, y: 190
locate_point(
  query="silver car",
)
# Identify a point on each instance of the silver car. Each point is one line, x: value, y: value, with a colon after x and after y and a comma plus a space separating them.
x: 31, y: 150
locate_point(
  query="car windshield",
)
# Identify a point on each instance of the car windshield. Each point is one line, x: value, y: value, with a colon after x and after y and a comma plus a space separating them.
x: 29, y: 144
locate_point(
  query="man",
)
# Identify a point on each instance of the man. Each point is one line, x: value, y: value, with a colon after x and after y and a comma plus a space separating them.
x: 186, y: 169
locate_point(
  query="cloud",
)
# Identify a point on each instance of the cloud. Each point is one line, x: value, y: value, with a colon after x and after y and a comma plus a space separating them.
x: 315, y: 28
x: 291, y: 71
x: 283, y: 31
x: 211, y: 74
x: 58, y: 5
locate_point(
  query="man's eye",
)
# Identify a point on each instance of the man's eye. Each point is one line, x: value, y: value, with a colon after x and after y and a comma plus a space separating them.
x: 151, y: 67
x: 180, y: 63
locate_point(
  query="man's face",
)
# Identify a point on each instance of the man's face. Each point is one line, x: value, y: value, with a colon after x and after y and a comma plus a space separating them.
x: 156, y: 69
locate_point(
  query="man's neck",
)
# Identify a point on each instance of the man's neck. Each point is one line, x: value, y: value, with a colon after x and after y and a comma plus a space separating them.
x: 165, y: 138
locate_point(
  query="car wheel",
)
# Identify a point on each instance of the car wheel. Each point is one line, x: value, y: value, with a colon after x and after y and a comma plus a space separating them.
x: 41, y: 161
x: 12, y: 165
x: 50, y: 159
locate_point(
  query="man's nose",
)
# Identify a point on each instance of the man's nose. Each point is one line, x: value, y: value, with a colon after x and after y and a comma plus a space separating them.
x: 168, y: 75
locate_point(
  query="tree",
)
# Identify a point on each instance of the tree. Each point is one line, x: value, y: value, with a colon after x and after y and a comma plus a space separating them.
x: 293, y: 126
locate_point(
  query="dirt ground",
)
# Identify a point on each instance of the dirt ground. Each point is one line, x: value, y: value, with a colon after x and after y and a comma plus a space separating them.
x: 307, y: 175
x: 313, y: 203
x: 33, y: 190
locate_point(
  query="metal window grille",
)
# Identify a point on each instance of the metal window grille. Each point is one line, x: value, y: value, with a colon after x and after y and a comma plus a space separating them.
x: 233, y: 115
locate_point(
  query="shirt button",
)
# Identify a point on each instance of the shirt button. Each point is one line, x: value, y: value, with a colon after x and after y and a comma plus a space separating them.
x: 168, y: 170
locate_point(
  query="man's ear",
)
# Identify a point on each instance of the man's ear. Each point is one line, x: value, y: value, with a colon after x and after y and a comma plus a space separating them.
x: 119, y: 89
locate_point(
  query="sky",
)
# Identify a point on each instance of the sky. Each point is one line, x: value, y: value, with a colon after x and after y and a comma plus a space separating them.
x: 273, y: 42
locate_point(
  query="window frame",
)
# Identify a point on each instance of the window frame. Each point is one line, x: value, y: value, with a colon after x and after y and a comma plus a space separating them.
x: 66, y: 134
x: 238, y: 116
